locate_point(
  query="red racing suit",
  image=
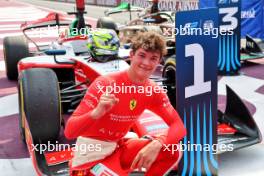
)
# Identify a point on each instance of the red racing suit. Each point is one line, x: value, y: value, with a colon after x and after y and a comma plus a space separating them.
x: 113, y: 126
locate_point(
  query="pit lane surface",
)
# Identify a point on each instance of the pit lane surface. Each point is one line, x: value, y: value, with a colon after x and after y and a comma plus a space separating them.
x: 13, y: 154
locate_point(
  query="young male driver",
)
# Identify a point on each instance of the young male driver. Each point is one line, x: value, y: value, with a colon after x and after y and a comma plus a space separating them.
x: 105, y: 117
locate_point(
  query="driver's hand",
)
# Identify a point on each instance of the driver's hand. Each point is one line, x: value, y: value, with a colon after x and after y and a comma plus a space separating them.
x: 106, y: 102
x: 146, y: 156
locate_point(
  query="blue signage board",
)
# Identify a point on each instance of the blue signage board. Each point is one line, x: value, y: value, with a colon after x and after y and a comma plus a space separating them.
x: 229, y: 36
x: 197, y: 48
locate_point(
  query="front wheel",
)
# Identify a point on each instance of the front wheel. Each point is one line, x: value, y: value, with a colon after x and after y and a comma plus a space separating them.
x: 39, y: 104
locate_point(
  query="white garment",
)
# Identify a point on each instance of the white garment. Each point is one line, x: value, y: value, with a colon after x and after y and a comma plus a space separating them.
x: 89, y: 150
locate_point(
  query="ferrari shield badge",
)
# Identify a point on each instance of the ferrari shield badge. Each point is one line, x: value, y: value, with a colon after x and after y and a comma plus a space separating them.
x: 132, y: 104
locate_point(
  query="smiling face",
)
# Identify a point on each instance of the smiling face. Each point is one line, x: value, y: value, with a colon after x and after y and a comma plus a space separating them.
x: 146, y: 51
x: 143, y: 64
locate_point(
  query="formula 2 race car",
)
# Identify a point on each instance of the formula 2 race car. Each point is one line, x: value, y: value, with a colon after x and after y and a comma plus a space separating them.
x: 162, y: 22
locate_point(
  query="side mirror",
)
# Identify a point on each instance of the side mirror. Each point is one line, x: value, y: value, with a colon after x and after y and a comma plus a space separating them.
x: 55, y: 52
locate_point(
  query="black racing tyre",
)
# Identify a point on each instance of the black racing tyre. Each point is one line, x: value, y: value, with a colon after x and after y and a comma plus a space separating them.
x: 14, y: 48
x: 40, y: 104
x: 169, y: 72
x: 107, y: 23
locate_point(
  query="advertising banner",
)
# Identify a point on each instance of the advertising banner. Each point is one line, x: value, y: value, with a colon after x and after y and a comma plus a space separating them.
x: 169, y: 5
x: 252, y: 18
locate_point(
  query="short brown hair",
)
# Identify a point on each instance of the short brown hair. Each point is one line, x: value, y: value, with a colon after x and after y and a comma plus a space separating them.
x: 149, y: 41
